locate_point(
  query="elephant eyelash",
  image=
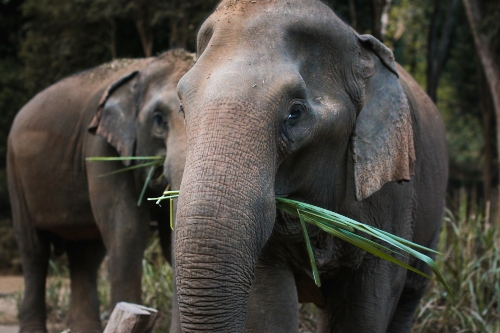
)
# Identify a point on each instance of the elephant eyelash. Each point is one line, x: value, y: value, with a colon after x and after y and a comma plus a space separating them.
x: 181, y: 109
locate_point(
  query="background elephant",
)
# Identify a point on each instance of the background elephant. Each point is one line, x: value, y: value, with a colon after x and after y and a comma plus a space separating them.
x: 58, y: 198
x: 286, y: 99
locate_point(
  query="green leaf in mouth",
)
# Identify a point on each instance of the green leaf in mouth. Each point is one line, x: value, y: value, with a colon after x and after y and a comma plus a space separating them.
x: 345, y: 228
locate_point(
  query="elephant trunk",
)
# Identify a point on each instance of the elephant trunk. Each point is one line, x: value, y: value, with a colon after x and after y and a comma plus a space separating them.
x: 226, y: 213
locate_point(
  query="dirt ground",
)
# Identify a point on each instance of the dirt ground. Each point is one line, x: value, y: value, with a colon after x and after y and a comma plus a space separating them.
x: 10, y: 293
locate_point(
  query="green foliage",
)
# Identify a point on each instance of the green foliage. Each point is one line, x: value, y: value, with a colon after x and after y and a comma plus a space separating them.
x: 63, y: 36
x: 458, y: 103
x: 407, y: 36
x: 491, y: 24
x: 57, y: 291
x: 157, y: 284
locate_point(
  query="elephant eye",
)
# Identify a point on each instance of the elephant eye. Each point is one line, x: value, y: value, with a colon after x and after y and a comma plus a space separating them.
x: 296, y: 110
x: 159, y: 120
x: 181, y: 110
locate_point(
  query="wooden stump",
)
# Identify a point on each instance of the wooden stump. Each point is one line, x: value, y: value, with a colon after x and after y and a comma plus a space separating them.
x: 131, y: 318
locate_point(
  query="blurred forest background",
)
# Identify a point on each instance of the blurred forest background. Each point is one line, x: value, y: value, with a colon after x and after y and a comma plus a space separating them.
x: 451, y: 47
x: 42, y: 41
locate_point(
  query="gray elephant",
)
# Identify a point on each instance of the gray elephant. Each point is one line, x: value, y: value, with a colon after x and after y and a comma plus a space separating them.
x: 58, y: 198
x: 286, y: 99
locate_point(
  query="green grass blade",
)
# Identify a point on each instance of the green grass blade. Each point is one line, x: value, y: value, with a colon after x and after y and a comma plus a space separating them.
x: 329, y: 229
x: 137, y: 166
x: 310, y: 251
x: 375, y: 232
x: 309, y: 214
x: 360, y: 242
x: 166, y: 195
x: 172, y: 213
x: 343, y: 227
x: 172, y: 193
x: 432, y: 265
x: 408, y: 243
x: 145, y: 186
x: 123, y: 158
x: 329, y: 215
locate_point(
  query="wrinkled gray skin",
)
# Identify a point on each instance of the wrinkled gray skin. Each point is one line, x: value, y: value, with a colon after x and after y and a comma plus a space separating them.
x: 287, y: 99
x: 58, y: 198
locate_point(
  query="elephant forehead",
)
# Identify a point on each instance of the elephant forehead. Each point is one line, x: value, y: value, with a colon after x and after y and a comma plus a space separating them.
x: 263, y: 15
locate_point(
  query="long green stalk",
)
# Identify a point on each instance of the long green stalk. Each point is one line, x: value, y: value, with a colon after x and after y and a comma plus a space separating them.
x: 345, y: 228
x: 145, y: 186
x: 156, y: 161
x: 123, y: 158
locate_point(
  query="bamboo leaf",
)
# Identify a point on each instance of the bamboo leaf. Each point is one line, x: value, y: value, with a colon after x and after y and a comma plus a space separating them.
x: 123, y: 158
x: 144, y: 187
x: 344, y: 228
x: 309, y: 251
x: 172, y: 213
x: 137, y: 166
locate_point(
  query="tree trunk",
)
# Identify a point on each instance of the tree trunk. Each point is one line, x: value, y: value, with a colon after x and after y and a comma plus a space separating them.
x: 490, y: 67
x: 380, y: 18
x: 112, y: 38
x: 486, y: 108
x: 384, y: 18
x: 174, y: 5
x: 431, y: 51
x: 131, y: 318
x: 352, y: 11
x: 143, y: 29
x: 437, y: 55
x: 377, y: 7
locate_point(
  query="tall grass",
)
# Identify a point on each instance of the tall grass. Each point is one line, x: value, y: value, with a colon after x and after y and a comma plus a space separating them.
x: 471, y: 265
x: 157, y: 286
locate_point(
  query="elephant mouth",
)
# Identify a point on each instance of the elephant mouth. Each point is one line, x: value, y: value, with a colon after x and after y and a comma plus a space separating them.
x: 158, y: 180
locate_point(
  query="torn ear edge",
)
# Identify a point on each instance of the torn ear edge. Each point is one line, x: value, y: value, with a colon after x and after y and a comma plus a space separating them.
x: 382, y: 141
x: 383, y: 52
x: 109, y: 90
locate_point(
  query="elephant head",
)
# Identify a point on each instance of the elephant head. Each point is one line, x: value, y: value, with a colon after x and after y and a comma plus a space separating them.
x: 138, y: 115
x: 284, y: 99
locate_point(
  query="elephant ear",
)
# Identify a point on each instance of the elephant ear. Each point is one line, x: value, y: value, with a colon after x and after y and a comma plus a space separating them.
x: 115, y: 117
x: 382, y: 142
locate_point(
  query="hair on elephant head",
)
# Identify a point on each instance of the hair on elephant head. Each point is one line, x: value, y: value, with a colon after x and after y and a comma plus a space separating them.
x: 286, y: 99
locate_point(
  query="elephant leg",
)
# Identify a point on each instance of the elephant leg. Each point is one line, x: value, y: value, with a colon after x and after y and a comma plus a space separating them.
x: 363, y: 301
x: 415, y: 287
x: 84, y: 258
x: 273, y: 303
x: 125, y: 253
x: 35, y: 253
